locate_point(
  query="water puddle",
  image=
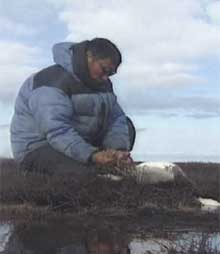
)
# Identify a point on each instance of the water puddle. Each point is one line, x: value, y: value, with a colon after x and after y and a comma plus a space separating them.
x: 100, y: 237
x: 5, y: 232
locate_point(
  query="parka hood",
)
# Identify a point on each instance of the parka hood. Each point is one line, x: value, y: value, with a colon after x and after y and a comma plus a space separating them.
x: 62, y: 55
x: 72, y: 57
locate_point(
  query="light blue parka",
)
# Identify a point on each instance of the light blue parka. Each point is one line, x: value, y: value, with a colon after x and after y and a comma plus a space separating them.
x: 70, y: 122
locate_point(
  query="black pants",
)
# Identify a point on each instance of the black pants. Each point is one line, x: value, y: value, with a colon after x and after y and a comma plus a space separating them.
x: 47, y: 160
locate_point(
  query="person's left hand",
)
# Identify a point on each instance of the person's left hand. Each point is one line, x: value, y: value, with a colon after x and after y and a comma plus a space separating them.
x: 123, y: 158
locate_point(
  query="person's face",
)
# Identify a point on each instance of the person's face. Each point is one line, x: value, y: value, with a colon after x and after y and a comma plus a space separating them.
x: 100, y: 69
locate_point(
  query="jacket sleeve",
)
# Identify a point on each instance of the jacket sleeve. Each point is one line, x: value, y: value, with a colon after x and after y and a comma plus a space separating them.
x: 52, y: 111
x: 117, y: 136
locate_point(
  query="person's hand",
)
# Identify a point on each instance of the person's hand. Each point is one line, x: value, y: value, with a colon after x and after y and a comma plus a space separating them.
x: 112, y: 157
x: 105, y: 157
x: 123, y: 158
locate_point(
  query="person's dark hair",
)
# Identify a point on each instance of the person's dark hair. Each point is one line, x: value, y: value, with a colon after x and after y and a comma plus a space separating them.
x: 102, y: 48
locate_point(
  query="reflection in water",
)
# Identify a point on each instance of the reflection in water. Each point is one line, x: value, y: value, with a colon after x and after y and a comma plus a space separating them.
x: 98, y: 237
x: 65, y: 239
x: 5, y: 232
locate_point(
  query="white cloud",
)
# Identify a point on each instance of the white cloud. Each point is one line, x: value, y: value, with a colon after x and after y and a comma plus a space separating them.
x: 163, y: 41
x: 156, y: 75
x: 27, y: 12
x: 166, y: 104
x: 17, y: 62
x: 154, y: 34
x: 11, y: 27
x: 29, y: 20
x: 213, y: 10
x: 16, y: 53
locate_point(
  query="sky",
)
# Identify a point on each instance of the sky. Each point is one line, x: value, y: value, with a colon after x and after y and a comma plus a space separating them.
x: 168, y: 82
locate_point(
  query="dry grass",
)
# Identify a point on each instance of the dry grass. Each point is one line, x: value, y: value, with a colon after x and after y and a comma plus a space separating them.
x: 97, y: 196
x: 206, y: 176
x: 65, y: 191
x: 197, y: 245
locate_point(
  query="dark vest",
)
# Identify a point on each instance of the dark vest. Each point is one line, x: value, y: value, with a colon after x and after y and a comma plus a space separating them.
x: 57, y: 76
